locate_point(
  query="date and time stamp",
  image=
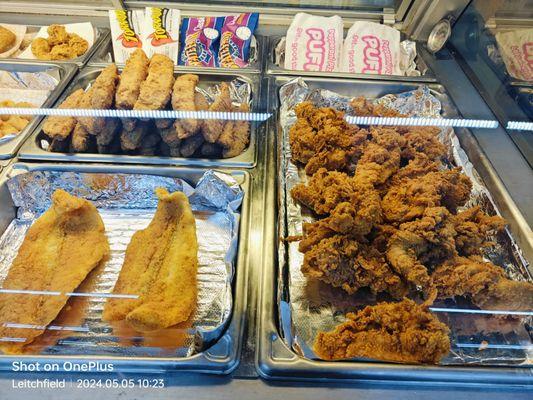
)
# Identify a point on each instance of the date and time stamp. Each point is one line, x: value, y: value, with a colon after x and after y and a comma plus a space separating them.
x: 26, y: 381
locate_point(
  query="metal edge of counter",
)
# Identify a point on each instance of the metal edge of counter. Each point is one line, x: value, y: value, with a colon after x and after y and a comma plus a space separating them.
x: 208, y: 361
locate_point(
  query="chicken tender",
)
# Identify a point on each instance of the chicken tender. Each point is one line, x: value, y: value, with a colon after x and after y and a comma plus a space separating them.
x: 133, y: 75
x: 183, y: 94
x: 62, y: 127
x: 236, y: 135
x: 156, y: 89
x: 213, y: 128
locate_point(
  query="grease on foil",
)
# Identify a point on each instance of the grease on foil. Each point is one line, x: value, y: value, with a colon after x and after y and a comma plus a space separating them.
x: 127, y: 203
x: 308, y: 306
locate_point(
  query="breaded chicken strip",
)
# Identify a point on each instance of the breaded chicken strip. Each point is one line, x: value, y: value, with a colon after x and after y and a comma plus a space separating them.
x: 236, y: 135
x: 131, y: 78
x: 213, y: 128
x: 155, y: 91
x: 61, y: 127
x: 183, y: 94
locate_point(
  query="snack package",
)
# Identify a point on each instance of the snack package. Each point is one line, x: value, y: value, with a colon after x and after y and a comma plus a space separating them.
x: 125, y: 32
x: 236, y: 39
x: 160, y: 32
x: 371, y: 48
x: 199, y: 41
x: 314, y: 43
x: 516, y: 48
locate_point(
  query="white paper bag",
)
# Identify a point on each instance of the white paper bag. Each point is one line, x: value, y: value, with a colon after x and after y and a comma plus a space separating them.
x: 160, y: 32
x: 516, y: 49
x: 125, y: 32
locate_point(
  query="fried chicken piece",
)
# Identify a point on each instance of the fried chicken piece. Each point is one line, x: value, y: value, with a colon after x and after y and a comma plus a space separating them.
x: 18, y: 122
x: 364, y: 108
x: 210, y: 150
x: 417, y: 167
x: 236, y: 135
x: 169, y: 136
x: 213, y: 128
x: 7, y: 129
x: 78, y: 44
x: 60, y: 249
x: 81, y: 141
x: 41, y: 49
x: 131, y: 140
x: 321, y: 138
x: 423, y: 139
x: 473, y: 226
x: 484, y: 283
x: 150, y: 144
x: 100, y: 96
x: 399, y: 332
x: 408, y: 200
x: 109, y: 132
x: 156, y: 89
x: 57, y: 34
x: 377, y: 164
x: 133, y: 75
x: 190, y: 145
x: 7, y: 39
x: 183, y: 94
x: 160, y: 267
x: 418, y: 243
x: 61, y: 127
x: 62, y: 52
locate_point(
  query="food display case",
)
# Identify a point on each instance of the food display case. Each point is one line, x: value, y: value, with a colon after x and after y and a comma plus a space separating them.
x: 293, y: 193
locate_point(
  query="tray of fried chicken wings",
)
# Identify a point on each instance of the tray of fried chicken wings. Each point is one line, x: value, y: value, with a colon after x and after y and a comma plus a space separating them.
x: 134, y: 267
x: 394, y: 261
x: 208, y: 134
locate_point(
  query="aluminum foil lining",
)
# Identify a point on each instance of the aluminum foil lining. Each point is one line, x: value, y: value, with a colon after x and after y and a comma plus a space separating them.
x: 127, y: 203
x: 240, y: 91
x: 308, y: 306
x: 31, y: 87
x: 408, y: 53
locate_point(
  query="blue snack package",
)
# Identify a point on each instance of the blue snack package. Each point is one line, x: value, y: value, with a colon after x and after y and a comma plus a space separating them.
x: 199, y: 38
x: 235, y: 40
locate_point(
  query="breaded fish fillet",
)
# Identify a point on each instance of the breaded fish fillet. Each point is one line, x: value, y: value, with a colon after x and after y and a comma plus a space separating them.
x: 160, y: 267
x: 183, y: 100
x: 60, y: 249
x: 214, y: 127
x: 62, y: 127
x: 133, y: 74
x: 102, y: 94
x: 156, y: 89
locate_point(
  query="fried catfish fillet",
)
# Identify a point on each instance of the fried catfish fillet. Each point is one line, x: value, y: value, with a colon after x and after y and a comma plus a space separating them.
x: 60, y: 249
x: 160, y: 267
x: 401, y: 332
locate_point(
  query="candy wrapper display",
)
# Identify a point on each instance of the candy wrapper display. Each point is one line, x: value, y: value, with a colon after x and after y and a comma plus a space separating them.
x: 126, y: 29
x: 127, y: 204
x: 371, y: 48
x: 236, y: 40
x: 199, y: 41
x: 307, y: 306
x: 160, y: 32
x: 516, y: 49
x: 314, y: 43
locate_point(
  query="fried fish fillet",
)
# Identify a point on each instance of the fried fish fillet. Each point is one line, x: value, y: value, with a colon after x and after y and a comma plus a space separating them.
x: 133, y: 75
x: 156, y: 89
x: 160, y: 267
x: 183, y: 100
x: 214, y: 127
x: 60, y: 249
x: 62, y: 127
x: 102, y: 94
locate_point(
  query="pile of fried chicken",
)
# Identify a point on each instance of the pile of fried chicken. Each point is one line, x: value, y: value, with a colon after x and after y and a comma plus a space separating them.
x: 391, y: 218
x: 59, y: 45
x: 148, y: 84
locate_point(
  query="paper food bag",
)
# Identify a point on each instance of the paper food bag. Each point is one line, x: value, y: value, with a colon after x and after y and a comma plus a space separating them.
x: 516, y: 49
x: 160, y: 32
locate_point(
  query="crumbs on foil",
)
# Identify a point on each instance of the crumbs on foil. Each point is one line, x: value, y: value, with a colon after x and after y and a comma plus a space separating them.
x: 308, y: 306
x: 127, y: 203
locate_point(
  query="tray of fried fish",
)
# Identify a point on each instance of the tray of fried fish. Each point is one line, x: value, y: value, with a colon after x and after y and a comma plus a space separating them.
x: 134, y: 265
x: 24, y: 84
x: 394, y: 248
x: 153, y: 84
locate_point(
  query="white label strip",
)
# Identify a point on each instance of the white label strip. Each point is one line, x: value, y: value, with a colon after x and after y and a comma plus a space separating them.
x: 470, y: 311
x: 520, y: 125
x: 144, y: 114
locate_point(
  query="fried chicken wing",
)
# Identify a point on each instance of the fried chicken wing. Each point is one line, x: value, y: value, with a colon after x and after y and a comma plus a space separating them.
x: 473, y: 227
x: 60, y: 249
x: 423, y: 140
x: 61, y: 127
x: 399, y: 332
x: 155, y: 91
x: 160, y: 267
x: 484, y: 283
x: 213, y: 128
x: 183, y: 94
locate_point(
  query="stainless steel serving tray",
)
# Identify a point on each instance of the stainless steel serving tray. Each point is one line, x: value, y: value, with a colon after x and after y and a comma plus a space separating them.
x: 100, y: 35
x: 32, y: 149
x: 223, y: 356
x: 273, y: 69
x: 104, y: 55
x: 276, y: 360
x: 66, y: 72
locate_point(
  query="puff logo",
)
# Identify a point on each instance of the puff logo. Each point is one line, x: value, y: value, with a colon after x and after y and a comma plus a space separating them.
x: 372, y: 55
x: 160, y: 36
x: 128, y: 37
x: 315, y: 49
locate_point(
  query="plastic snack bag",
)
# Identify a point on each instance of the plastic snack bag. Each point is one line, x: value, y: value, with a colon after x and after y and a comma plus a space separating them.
x: 236, y: 39
x: 371, y: 48
x: 199, y: 41
x: 160, y: 32
x: 516, y: 48
x: 314, y: 43
x: 125, y: 32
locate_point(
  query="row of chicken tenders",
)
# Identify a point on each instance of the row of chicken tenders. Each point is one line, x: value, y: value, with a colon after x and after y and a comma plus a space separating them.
x: 148, y: 84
